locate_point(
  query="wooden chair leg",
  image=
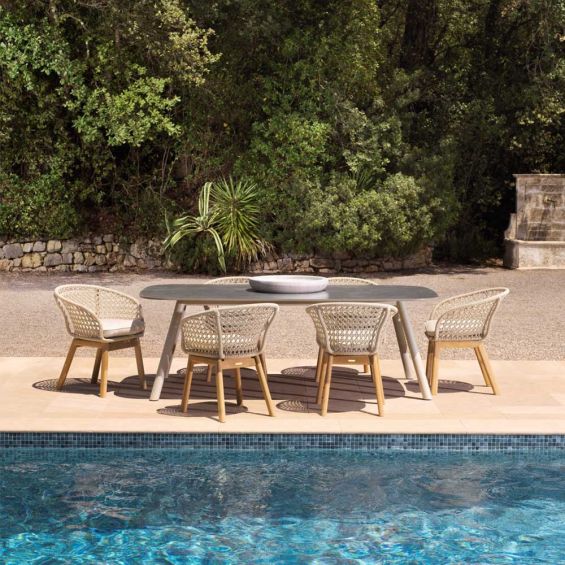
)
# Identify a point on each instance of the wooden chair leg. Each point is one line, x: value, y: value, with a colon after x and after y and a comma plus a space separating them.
x: 264, y: 386
x: 67, y: 365
x: 481, y: 365
x: 429, y: 360
x: 435, y: 367
x: 104, y: 375
x: 327, y: 385
x: 323, y: 369
x: 209, y: 374
x: 319, y: 364
x: 220, y: 392
x: 96, y: 369
x: 378, y: 382
x: 264, y: 365
x: 238, y: 387
x: 187, y: 385
x: 486, y: 368
x: 140, y: 367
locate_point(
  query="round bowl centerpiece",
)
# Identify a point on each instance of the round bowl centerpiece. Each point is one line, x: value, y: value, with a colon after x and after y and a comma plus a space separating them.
x: 288, y: 284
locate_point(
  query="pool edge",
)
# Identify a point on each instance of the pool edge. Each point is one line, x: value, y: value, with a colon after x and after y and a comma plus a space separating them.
x: 286, y: 441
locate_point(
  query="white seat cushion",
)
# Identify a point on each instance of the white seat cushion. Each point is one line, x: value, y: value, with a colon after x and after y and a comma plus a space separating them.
x: 115, y: 327
x: 430, y: 327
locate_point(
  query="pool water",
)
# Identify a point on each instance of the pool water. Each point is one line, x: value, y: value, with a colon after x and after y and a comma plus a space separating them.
x: 189, y: 506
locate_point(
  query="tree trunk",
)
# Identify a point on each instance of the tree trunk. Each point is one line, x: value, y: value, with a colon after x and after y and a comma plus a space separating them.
x: 419, y: 29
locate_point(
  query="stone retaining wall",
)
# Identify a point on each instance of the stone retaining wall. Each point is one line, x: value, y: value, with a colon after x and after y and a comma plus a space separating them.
x: 87, y: 254
x: 291, y: 263
x: 111, y: 254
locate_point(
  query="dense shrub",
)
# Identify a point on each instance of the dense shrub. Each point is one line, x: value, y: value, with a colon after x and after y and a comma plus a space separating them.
x: 368, y: 126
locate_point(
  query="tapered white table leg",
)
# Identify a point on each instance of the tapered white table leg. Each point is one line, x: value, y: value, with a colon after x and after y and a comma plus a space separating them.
x: 403, y: 347
x: 414, y: 351
x: 168, y: 351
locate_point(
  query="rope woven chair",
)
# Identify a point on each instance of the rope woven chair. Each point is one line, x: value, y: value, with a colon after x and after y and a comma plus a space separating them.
x: 229, y: 280
x: 102, y: 318
x: 228, y: 338
x: 339, y: 281
x: 349, y: 333
x: 334, y: 281
x: 463, y: 321
x: 226, y: 280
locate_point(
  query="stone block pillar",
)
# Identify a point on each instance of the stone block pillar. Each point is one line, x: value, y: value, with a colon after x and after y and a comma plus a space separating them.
x: 535, y: 237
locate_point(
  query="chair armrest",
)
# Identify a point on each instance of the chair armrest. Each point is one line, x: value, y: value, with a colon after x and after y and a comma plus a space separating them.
x: 469, y: 321
x: 466, y: 299
x: 81, y: 322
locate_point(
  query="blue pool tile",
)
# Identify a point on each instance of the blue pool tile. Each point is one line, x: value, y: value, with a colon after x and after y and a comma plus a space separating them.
x: 280, y: 442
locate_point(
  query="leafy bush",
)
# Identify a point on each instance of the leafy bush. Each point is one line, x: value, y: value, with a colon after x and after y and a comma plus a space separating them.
x: 90, y: 95
x: 388, y: 218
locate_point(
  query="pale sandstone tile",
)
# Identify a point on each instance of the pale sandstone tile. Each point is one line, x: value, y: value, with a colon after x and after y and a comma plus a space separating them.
x: 527, y: 403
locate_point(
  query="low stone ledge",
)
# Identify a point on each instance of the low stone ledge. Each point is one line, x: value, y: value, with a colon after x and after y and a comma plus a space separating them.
x: 334, y: 265
x: 520, y: 254
x: 81, y: 255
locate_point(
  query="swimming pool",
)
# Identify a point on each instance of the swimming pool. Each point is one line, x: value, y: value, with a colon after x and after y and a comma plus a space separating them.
x: 193, y: 506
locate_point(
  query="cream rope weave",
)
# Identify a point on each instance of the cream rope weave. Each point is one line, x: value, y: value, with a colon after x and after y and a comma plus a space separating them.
x: 348, y: 328
x: 466, y: 317
x: 351, y: 281
x: 229, y: 280
x: 83, y: 307
x: 237, y: 331
x: 226, y: 281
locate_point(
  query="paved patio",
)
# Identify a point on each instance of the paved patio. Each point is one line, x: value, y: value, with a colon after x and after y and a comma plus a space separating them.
x: 532, y: 400
x: 526, y: 346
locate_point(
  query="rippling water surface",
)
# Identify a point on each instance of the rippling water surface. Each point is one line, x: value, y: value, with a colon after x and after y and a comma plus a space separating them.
x: 183, y: 506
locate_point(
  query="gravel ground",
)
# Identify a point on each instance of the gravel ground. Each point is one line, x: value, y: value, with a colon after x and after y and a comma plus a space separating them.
x: 529, y: 325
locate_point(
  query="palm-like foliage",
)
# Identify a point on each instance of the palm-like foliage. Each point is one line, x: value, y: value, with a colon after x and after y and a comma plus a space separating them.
x: 228, y: 212
x: 237, y: 216
x: 202, y: 224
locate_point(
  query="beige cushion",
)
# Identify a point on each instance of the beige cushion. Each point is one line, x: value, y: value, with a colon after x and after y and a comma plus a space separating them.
x: 430, y: 327
x: 114, y: 327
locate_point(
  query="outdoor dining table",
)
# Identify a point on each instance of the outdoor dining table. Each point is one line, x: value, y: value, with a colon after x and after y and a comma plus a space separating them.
x: 206, y: 294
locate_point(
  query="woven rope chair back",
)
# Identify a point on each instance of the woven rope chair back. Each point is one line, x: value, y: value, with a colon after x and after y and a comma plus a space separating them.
x: 468, y: 317
x: 229, y: 280
x: 350, y: 327
x: 237, y: 331
x: 103, y: 302
x: 338, y: 281
x: 82, y: 305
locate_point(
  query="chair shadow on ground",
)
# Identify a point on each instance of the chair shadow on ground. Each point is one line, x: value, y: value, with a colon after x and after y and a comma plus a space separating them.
x: 75, y: 386
x: 447, y: 386
x: 293, y: 390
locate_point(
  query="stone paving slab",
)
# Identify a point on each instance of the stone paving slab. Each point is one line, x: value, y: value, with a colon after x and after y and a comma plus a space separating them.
x: 532, y: 400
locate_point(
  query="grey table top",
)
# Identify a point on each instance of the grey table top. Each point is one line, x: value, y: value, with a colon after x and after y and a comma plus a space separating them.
x: 242, y: 294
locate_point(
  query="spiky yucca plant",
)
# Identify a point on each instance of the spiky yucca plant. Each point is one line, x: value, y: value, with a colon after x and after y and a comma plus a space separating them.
x: 228, y: 212
x: 236, y: 204
x: 204, y: 224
